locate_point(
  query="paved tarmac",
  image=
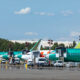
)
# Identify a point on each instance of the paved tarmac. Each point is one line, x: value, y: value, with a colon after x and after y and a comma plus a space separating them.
x: 19, y: 73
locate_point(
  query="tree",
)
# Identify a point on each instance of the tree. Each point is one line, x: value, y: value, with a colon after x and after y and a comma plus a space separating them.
x: 41, y: 47
x: 54, y: 46
x: 74, y: 44
x: 61, y: 45
x: 6, y: 44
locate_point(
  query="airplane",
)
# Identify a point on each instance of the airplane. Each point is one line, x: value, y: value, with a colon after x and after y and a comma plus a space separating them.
x: 69, y: 55
x: 29, y: 54
x: 18, y: 54
x: 35, y: 48
x: 25, y: 55
x: 72, y: 55
x: 4, y: 55
x: 53, y: 55
x: 22, y: 56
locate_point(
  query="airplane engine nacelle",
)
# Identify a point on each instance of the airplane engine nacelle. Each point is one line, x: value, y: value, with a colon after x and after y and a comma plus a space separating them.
x: 52, y: 57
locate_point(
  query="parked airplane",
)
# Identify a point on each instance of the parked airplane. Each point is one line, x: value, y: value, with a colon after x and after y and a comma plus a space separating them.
x: 72, y: 55
x: 18, y: 54
x: 35, y: 48
x: 25, y: 55
x: 4, y: 55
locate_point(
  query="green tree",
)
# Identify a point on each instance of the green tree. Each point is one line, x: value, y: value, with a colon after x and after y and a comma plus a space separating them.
x: 54, y: 46
x: 74, y: 44
x: 41, y: 48
x: 6, y: 44
x: 61, y: 45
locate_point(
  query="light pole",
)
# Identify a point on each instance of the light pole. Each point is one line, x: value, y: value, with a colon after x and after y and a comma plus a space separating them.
x: 10, y: 53
x: 26, y: 46
x: 79, y: 37
x: 50, y: 42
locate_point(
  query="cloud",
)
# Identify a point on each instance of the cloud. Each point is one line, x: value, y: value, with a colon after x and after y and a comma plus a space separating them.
x: 51, y: 14
x: 44, y: 13
x: 67, y: 12
x: 40, y: 13
x: 28, y: 10
x: 31, y: 33
x: 23, y: 11
x: 73, y: 34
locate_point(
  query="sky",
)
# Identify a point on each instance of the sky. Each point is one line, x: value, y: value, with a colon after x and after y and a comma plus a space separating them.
x: 40, y: 19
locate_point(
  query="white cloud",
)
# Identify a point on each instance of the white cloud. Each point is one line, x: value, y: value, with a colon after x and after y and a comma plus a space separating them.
x: 31, y: 33
x: 44, y: 13
x: 23, y: 11
x: 67, y: 12
x: 40, y: 13
x: 73, y: 34
x: 51, y: 14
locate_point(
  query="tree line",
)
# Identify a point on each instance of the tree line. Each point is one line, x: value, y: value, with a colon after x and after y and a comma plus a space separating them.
x: 59, y: 45
x: 5, y: 45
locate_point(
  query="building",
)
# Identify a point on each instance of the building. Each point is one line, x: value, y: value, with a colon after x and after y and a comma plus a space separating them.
x: 44, y: 43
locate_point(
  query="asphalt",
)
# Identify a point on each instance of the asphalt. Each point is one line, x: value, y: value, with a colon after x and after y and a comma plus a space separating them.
x: 20, y: 73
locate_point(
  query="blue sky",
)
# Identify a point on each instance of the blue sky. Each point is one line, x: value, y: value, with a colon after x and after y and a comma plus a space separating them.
x: 35, y: 19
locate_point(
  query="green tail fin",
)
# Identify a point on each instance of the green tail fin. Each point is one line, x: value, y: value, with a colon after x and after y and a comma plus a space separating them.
x: 35, y: 47
x: 78, y: 45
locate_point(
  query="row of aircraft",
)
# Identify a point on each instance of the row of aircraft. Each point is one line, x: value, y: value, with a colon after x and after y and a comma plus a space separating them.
x: 69, y: 54
x: 24, y: 55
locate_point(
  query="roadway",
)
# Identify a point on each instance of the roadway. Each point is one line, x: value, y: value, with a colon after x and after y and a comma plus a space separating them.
x: 9, y: 72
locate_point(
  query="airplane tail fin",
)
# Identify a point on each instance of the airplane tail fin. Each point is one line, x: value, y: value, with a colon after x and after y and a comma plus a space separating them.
x: 36, y: 46
x: 77, y: 46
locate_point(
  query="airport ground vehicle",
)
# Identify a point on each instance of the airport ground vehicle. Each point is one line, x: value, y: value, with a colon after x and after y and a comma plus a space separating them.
x: 17, y: 61
x: 59, y: 63
x: 3, y: 61
x: 30, y: 63
x: 41, y: 61
x: 14, y: 61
